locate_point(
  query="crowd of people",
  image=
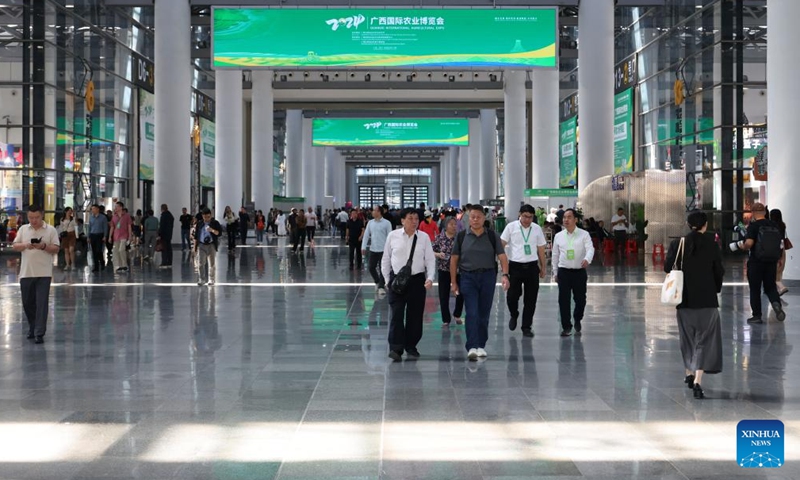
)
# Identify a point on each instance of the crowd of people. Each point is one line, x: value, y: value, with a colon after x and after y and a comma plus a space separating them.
x: 410, y: 249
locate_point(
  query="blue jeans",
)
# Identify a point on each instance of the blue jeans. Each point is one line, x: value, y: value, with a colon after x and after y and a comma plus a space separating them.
x: 185, y: 243
x: 478, y: 291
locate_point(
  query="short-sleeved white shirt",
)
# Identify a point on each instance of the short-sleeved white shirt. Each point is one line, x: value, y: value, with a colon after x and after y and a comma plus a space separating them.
x: 515, y: 249
x: 37, y: 263
x: 619, y: 226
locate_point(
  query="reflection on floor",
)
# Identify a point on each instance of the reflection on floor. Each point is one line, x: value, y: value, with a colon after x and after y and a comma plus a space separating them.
x: 280, y: 371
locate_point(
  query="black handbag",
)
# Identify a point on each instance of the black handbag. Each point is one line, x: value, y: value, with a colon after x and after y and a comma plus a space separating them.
x: 399, y: 284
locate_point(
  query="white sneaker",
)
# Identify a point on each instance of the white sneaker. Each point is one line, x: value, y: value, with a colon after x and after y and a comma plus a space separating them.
x: 481, y: 352
x: 210, y: 283
x: 472, y: 354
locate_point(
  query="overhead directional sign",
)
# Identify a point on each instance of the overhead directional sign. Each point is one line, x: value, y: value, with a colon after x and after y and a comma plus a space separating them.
x: 384, y: 38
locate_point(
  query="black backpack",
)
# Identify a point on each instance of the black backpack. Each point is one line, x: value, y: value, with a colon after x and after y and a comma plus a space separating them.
x: 768, y: 243
x: 463, y: 233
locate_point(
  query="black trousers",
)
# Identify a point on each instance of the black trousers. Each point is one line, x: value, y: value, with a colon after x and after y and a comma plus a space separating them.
x: 523, y: 275
x: 299, y: 238
x: 354, y: 247
x: 310, y: 231
x: 374, y: 268
x: 405, y: 326
x: 620, y: 238
x: 35, y: 299
x: 243, y: 235
x: 96, y: 240
x: 758, y: 274
x: 444, y: 297
x: 571, y: 283
x: 166, y: 250
x: 231, y: 236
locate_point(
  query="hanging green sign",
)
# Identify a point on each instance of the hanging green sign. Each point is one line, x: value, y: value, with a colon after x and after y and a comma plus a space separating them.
x: 568, y: 162
x: 390, y: 132
x: 623, y: 132
x: 376, y: 38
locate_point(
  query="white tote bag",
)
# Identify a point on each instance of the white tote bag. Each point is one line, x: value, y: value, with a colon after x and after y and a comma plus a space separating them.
x: 672, y: 289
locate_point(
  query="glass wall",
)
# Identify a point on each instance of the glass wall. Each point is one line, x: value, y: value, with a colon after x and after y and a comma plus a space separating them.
x: 67, y: 149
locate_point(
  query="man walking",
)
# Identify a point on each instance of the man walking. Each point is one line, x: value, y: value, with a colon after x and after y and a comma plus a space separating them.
x: 524, y: 243
x: 354, y: 229
x: 475, y: 254
x: 98, y: 234
x: 121, y: 233
x: 378, y: 229
x: 165, y: 229
x: 151, y: 232
x: 186, y: 226
x: 763, y: 241
x: 311, y: 225
x: 244, y: 224
x: 403, y: 247
x: 37, y: 242
x: 206, y: 241
x: 342, y: 217
x: 572, y: 254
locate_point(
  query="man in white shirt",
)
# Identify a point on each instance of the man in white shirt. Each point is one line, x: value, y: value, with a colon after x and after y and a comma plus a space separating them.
x: 405, y: 326
x: 342, y: 218
x: 524, y: 242
x: 311, y: 225
x: 619, y: 225
x: 378, y: 229
x: 37, y: 242
x: 572, y: 253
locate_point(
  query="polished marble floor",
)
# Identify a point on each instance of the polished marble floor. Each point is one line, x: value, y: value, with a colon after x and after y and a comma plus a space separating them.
x: 280, y: 371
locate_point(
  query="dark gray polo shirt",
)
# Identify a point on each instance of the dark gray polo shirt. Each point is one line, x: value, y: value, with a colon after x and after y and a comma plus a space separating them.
x: 476, y: 252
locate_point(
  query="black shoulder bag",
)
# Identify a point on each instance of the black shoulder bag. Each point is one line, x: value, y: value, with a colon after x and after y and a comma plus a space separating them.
x: 400, y: 282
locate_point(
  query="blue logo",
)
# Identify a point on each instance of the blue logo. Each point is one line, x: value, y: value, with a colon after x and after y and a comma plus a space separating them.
x: 759, y: 444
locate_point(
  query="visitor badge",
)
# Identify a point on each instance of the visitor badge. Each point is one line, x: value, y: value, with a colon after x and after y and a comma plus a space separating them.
x: 527, y: 249
x: 119, y: 224
x: 570, y: 254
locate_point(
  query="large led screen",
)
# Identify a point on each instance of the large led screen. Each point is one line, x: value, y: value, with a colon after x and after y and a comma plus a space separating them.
x: 390, y: 132
x: 384, y: 38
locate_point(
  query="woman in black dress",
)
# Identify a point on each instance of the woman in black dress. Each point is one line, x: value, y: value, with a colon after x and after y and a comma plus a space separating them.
x: 698, y: 313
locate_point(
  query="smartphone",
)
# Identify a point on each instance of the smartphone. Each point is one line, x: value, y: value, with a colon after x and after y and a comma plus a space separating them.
x: 34, y: 241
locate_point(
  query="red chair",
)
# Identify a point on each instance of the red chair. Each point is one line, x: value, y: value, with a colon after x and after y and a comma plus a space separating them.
x: 658, y: 251
x: 608, y: 246
x: 631, y: 246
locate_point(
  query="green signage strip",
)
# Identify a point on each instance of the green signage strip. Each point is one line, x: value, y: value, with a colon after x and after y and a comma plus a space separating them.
x: 551, y: 192
x: 568, y: 161
x: 384, y: 38
x: 623, y: 132
x: 390, y: 132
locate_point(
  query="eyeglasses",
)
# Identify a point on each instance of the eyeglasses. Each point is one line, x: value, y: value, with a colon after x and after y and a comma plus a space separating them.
x: 527, y: 216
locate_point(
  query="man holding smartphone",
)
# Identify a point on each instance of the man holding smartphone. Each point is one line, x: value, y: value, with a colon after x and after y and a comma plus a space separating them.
x: 206, y: 241
x: 37, y: 242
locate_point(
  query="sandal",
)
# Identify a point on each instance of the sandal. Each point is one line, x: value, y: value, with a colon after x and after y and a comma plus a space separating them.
x: 458, y: 321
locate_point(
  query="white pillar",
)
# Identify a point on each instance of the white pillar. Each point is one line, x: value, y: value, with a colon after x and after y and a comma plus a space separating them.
x: 515, y: 133
x: 453, y: 173
x: 294, y: 153
x: 782, y: 107
x: 475, y: 178
x: 488, y: 188
x: 309, y: 156
x: 330, y: 171
x: 261, y: 140
x: 172, y: 176
x: 544, y: 129
x: 463, y: 175
x: 596, y: 91
x: 341, y: 179
x: 444, y: 177
x: 228, y: 178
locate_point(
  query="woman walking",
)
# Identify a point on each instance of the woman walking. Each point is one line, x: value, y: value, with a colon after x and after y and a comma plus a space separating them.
x: 68, y: 238
x: 300, y: 236
x: 442, y: 248
x: 777, y: 217
x: 699, y: 256
x: 230, y: 226
x: 261, y: 227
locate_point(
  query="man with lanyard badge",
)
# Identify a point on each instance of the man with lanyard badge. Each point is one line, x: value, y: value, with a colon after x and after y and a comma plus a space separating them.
x: 572, y: 253
x: 525, y: 267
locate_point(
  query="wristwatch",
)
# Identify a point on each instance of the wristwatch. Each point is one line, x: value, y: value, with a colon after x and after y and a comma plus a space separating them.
x: 506, y: 275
